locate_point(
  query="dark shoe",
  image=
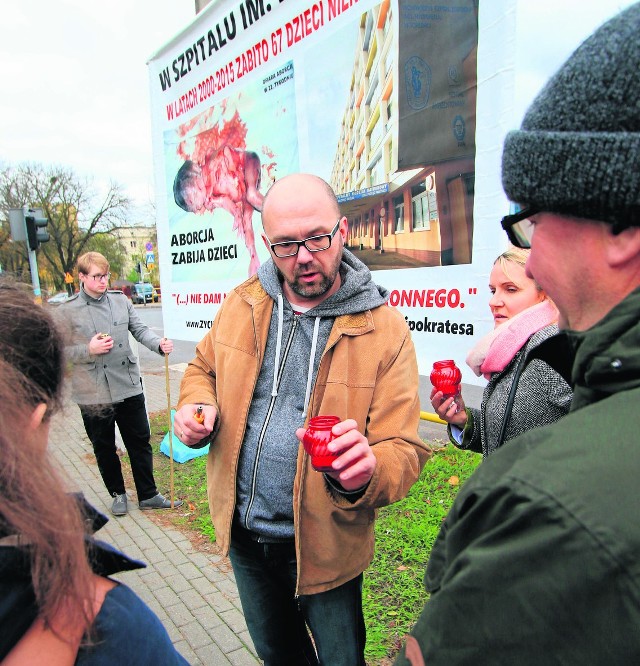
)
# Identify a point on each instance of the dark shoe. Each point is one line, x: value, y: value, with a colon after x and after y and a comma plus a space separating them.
x: 159, y: 502
x: 119, y: 506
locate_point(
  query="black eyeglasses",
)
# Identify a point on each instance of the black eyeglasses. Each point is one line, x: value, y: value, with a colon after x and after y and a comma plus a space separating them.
x: 100, y: 278
x: 313, y: 244
x: 519, y: 227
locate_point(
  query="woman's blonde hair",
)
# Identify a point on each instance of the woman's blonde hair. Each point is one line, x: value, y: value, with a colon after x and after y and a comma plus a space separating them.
x: 514, y: 255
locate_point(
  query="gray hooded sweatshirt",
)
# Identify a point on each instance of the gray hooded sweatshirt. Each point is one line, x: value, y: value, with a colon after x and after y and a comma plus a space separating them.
x: 294, y: 348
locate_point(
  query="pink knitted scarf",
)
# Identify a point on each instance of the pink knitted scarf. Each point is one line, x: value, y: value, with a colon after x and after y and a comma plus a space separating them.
x: 495, y: 350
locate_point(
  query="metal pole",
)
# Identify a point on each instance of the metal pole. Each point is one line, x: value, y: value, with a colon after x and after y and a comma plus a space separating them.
x: 35, y: 278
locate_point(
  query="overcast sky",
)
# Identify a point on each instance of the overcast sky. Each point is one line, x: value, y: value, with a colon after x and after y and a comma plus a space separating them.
x: 75, y: 87
x: 547, y: 32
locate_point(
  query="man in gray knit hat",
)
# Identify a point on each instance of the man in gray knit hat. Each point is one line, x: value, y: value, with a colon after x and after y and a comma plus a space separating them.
x: 537, y: 562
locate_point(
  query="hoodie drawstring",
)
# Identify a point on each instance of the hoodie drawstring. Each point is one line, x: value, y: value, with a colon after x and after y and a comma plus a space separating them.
x: 312, y: 355
x: 274, y: 390
x: 314, y: 343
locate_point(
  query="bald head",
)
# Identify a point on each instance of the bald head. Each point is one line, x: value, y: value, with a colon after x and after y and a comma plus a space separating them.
x: 297, y: 194
x: 298, y: 208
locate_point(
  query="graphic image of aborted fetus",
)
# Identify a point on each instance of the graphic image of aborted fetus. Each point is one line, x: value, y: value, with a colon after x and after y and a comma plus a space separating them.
x: 229, y: 178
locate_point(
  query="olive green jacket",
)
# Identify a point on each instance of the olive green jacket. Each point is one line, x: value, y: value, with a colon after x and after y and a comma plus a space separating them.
x: 538, y: 560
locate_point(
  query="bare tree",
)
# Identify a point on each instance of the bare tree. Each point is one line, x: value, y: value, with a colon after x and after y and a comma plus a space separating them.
x: 109, y: 246
x: 78, y: 213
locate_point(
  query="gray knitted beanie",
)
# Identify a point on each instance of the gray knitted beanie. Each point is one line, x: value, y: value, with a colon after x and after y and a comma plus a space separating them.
x: 578, y: 150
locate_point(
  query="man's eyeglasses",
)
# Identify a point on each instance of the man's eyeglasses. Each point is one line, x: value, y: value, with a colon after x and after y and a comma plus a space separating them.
x: 100, y: 278
x: 519, y: 227
x: 313, y: 244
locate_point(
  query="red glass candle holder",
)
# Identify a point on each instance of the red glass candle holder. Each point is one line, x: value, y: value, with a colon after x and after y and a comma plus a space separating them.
x: 315, y: 439
x: 446, y: 377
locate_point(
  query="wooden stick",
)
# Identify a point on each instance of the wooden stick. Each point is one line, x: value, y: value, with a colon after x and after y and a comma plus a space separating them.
x: 166, y: 375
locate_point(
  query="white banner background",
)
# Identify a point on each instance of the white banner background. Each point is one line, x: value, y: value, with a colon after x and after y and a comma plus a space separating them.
x: 516, y: 53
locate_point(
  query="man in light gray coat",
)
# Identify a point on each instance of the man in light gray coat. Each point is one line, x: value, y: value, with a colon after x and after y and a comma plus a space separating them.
x: 106, y: 381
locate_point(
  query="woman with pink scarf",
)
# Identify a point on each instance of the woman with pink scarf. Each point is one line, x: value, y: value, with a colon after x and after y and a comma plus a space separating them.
x: 518, y: 396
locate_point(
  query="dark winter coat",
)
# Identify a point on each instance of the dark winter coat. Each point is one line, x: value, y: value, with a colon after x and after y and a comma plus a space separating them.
x: 537, y: 561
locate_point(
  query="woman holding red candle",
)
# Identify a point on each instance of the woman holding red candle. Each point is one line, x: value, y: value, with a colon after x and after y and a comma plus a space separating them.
x: 519, y: 395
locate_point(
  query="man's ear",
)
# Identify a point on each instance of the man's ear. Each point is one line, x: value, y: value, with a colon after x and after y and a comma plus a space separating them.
x: 37, y: 416
x: 265, y: 240
x: 623, y: 247
x: 344, y: 228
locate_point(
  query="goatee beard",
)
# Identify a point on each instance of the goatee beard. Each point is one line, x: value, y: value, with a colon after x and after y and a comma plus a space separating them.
x: 312, y: 291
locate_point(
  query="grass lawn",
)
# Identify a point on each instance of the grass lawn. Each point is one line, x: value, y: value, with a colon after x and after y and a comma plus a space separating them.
x: 393, y: 588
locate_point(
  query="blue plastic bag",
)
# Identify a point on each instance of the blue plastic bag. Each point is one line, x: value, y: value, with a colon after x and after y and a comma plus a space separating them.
x: 181, y: 452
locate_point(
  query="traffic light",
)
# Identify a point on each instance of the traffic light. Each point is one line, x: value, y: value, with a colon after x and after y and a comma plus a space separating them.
x: 36, y: 227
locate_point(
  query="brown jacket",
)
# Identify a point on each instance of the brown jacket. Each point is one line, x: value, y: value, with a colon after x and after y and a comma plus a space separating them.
x: 368, y: 372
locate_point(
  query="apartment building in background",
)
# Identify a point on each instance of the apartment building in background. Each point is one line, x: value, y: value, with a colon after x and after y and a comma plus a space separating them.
x: 404, y: 166
x: 135, y: 242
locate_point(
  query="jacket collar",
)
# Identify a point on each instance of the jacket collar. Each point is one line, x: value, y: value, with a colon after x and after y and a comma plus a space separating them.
x: 557, y: 352
x: 602, y: 360
x: 88, y: 298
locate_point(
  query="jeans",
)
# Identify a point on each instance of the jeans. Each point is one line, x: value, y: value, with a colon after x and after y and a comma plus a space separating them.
x: 279, y: 623
x: 133, y: 423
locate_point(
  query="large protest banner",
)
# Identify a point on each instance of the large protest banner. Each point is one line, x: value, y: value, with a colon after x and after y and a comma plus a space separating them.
x: 394, y: 103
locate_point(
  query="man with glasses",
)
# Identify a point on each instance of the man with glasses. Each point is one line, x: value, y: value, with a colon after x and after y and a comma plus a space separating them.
x: 537, y: 561
x: 106, y: 381
x: 309, y: 335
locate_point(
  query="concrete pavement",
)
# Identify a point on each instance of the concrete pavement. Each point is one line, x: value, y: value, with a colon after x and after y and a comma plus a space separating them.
x: 193, y: 593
